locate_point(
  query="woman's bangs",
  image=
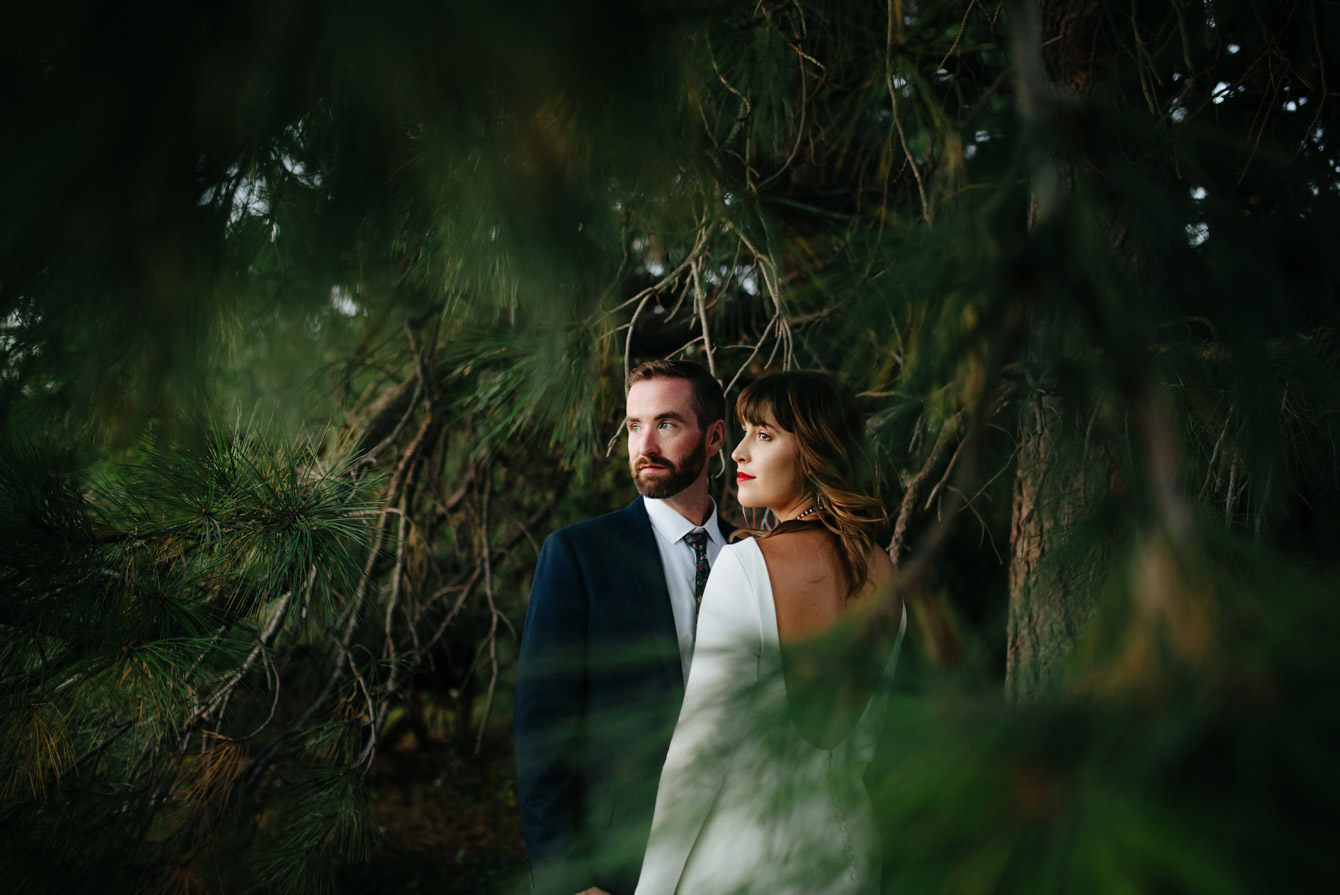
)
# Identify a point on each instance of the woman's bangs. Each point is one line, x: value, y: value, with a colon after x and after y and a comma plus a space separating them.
x: 764, y: 398
x: 750, y: 409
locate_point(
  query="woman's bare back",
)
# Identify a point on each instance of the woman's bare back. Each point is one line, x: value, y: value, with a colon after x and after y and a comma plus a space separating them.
x: 827, y: 686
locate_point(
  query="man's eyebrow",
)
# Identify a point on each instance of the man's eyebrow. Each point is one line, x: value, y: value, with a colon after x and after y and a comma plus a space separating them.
x: 668, y: 415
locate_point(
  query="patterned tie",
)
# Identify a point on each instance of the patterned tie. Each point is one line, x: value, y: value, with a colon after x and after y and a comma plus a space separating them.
x: 698, y: 541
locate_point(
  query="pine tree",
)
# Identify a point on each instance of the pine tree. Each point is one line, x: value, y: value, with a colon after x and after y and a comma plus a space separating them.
x: 1075, y: 257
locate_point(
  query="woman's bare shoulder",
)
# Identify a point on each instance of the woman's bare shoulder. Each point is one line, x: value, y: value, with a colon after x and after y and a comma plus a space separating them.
x: 879, y: 565
x: 879, y: 572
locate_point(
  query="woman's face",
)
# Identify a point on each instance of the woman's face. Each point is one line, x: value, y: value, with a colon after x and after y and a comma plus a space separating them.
x: 768, y: 468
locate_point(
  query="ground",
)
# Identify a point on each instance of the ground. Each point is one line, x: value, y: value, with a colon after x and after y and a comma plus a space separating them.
x: 449, y: 818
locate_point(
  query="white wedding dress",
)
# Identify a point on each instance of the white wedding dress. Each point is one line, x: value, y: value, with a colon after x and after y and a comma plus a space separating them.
x: 745, y: 803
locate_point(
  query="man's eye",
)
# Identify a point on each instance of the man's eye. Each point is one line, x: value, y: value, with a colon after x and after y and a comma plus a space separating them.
x: 633, y: 427
x: 667, y: 425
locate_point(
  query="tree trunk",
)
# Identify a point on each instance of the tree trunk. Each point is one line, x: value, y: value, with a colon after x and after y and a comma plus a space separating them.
x: 1057, y: 54
x: 1047, y: 607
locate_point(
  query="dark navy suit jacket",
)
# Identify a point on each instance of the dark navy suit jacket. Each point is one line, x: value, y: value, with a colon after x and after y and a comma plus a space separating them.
x: 599, y: 686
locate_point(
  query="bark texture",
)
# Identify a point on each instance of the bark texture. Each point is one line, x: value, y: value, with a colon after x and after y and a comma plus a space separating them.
x: 1058, y: 52
x: 1048, y: 604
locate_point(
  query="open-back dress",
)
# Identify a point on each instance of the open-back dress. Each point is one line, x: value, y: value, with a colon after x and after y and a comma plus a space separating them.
x: 746, y: 803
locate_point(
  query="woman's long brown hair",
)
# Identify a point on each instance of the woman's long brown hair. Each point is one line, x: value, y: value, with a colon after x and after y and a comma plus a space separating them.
x: 833, y: 459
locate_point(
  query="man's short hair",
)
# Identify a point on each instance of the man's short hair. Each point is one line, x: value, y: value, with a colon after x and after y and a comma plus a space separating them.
x: 709, y: 401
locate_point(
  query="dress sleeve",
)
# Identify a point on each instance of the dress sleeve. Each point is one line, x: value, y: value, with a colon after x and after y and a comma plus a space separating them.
x: 722, y: 677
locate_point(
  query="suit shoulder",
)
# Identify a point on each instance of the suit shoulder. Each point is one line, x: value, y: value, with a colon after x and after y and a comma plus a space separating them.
x: 595, y: 530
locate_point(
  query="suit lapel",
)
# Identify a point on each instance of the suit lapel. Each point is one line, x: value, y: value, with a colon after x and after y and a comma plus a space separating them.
x: 643, y: 560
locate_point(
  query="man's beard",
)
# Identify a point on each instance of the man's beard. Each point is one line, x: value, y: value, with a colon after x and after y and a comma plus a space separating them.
x: 679, y: 478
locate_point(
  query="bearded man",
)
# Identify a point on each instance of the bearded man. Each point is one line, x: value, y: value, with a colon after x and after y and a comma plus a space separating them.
x: 608, y: 639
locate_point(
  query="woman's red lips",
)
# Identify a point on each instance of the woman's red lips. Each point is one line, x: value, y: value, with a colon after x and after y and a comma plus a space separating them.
x: 743, y: 477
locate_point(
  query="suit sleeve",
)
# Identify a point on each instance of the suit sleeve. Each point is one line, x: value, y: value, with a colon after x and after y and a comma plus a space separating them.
x: 722, y: 677
x: 550, y: 705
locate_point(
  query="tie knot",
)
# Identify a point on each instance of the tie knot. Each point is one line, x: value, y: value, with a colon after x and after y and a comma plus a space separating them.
x: 697, y: 539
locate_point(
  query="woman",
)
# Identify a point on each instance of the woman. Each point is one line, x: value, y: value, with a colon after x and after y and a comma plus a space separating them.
x: 761, y: 790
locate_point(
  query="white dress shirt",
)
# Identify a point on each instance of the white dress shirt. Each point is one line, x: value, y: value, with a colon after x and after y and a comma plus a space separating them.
x: 681, y: 567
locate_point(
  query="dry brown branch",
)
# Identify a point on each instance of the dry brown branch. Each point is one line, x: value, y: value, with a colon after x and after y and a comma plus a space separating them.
x: 1004, y: 467
x: 800, y: 127
x: 762, y: 14
x: 219, y: 699
x: 944, y: 479
x: 466, y: 586
x: 986, y: 529
x: 671, y: 277
x: 700, y: 303
x: 949, y: 434
x: 1234, y: 489
x: 397, y: 577
x: 1144, y: 63
x: 1325, y: 89
x: 897, y: 123
x: 963, y: 26
x: 1265, y: 502
x: 1214, y: 454
x: 1261, y: 115
x: 769, y: 275
x: 465, y: 589
x: 340, y: 642
x: 370, y: 750
x: 485, y: 551
x: 394, y: 396
x: 746, y: 108
x: 772, y: 321
x: 679, y: 301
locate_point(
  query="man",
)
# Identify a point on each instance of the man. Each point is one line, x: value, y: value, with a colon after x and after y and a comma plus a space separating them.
x: 608, y: 639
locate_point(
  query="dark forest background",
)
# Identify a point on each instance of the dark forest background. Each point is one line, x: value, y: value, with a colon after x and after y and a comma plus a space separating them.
x: 313, y: 323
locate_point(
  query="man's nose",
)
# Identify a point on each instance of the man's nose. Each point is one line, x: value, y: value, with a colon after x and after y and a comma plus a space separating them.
x: 642, y: 443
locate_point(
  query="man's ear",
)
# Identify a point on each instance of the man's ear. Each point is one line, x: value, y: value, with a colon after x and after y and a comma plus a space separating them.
x: 716, y: 436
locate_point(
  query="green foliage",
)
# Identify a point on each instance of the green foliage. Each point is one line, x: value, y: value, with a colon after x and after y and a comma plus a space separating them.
x: 1083, y: 281
x: 319, y: 821
x: 140, y: 600
x: 1207, y: 777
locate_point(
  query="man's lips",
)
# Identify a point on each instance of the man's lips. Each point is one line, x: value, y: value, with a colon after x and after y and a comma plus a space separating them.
x: 743, y: 477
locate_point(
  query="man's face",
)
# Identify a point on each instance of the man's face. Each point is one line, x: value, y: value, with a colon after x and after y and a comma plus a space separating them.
x: 667, y: 450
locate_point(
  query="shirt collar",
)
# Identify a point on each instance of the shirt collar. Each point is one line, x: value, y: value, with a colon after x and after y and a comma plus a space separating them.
x: 666, y: 520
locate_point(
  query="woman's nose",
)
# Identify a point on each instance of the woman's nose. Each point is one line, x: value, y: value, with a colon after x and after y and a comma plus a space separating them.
x: 739, y: 455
